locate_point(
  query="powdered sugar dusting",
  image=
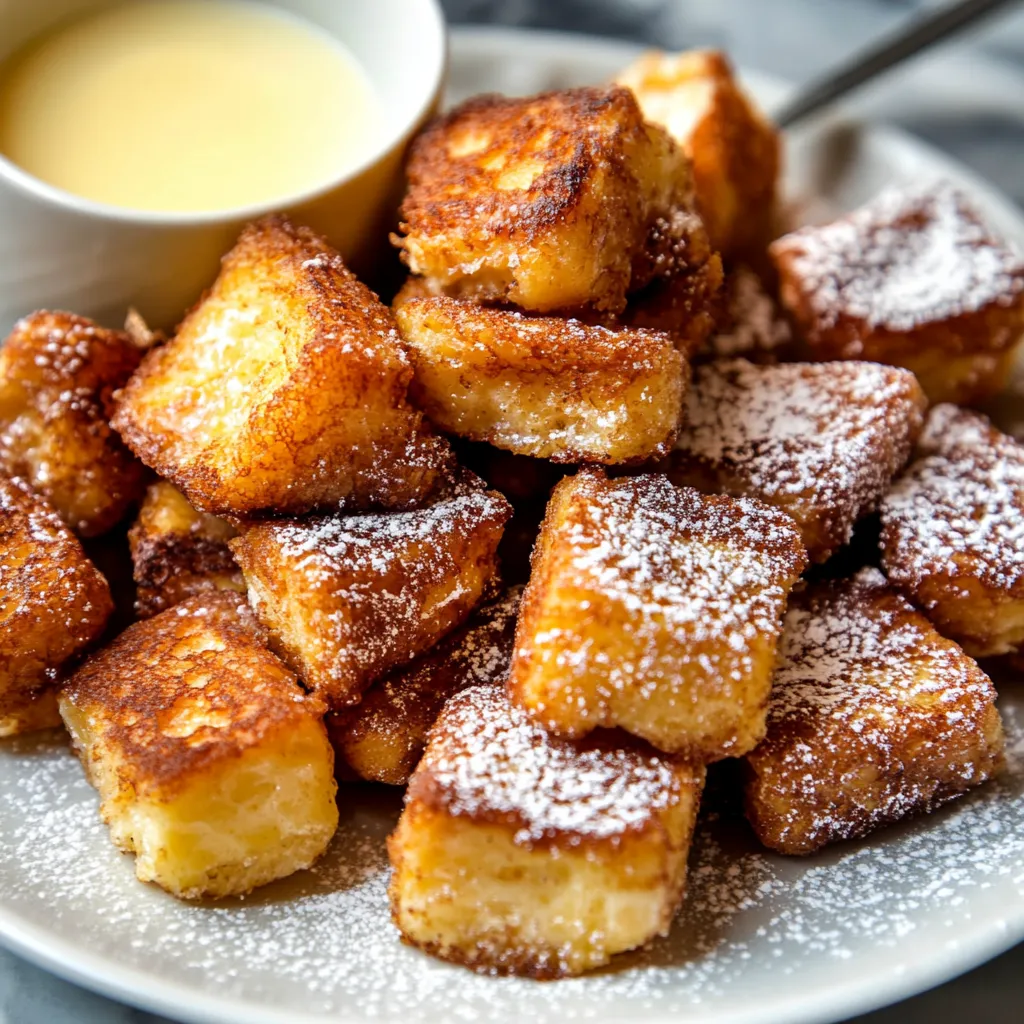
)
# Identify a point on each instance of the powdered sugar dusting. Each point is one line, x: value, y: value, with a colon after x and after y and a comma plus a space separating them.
x: 822, y: 439
x: 826, y: 642
x: 317, y: 546
x: 319, y: 944
x: 697, y: 583
x: 872, y: 716
x: 486, y: 758
x: 911, y: 256
x: 754, y: 326
x: 959, y: 509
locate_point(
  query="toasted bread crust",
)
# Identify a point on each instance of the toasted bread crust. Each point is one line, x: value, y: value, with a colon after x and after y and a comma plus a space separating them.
x: 54, y: 604
x: 873, y: 716
x: 169, y: 569
x: 177, y: 551
x: 914, y: 278
x: 548, y: 202
x: 283, y: 389
x: 162, y: 691
x: 821, y: 441
x: 498, y: 808
x: 676, y: 646
x: 953, y: 531
x: 542, y: 386
x: 382, y: 738
x: 346, y: 598
x: 58, y: 373
x: 734, y: 150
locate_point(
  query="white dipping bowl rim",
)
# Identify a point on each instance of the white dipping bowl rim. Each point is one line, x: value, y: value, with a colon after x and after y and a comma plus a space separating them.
x: 438, y: 45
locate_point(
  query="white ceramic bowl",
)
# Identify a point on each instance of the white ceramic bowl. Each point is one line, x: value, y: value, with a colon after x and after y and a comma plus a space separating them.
x: 60, y: 251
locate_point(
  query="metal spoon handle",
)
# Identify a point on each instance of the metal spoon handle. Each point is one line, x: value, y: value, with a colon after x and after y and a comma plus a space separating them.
x: 919, y: 35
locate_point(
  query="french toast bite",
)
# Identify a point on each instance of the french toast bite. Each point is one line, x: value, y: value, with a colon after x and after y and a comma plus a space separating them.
x: 734, y: 149
x: 953, y: 532
x: 522, y: 853
x: 346, y: 598
x: 542, y: 386
x: 382, y: 737
x: 873, y: 716
x: 178, y: 552
x: 54, y: 603
x: 821, y: 441
x: 553, y: 201
x: 915, y: 279
x: 655, y: 609
x: 283, y: 390
x: 58, y: 373
x: 212, y: 765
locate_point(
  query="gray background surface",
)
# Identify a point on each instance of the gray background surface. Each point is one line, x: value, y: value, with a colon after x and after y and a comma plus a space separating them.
x: 966, y: 98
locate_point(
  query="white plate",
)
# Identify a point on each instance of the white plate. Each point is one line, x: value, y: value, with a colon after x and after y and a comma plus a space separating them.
x: 762, y: 939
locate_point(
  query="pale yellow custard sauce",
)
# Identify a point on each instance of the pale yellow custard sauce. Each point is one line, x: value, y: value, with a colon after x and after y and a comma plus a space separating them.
x: 186, y: 106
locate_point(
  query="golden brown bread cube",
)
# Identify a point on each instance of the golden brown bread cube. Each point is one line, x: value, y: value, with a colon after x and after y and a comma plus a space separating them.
x: 655, y: 609
x: 953, y: 532
x: 552, y: 201
x: 522, y: 853
x: 734, y: 149
x: 873, y: 716
x: 58, y: 373
x: 346, y: 598
x: 54, y: 603
x: 213, y: 767
x: 542, y: 386
x: 178, y: 552
x: 914, y: 278
x: 821, y: 441
x: 382, y: 737
x: 284, y: 389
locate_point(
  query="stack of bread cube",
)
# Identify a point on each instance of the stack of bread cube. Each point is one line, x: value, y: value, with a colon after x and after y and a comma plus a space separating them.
x: 595, y: 303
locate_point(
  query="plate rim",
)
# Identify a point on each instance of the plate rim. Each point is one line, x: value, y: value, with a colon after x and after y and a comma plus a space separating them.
x: 144, y: 990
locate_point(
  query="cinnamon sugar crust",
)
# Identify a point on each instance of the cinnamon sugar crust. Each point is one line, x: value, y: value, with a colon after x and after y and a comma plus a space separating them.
x: 58, y: 374
x: 953, y: 531
x: 183, y: 690
x: 655, y: 609
x: 550, y: 202
x: 821, y: 441
x: 914, y: 278
x: 54, y: 604
x: 873, y: 717
x: 543, y: 386
x: 283, y: 390
x: 347, y: 598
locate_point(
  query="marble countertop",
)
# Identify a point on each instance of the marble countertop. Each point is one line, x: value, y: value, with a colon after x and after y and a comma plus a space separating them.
x: 965, y: 98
